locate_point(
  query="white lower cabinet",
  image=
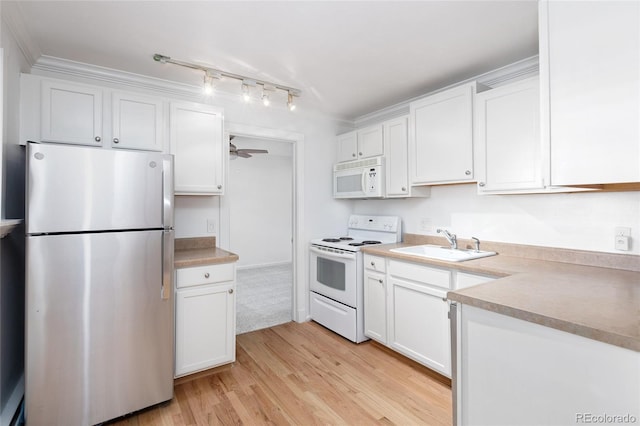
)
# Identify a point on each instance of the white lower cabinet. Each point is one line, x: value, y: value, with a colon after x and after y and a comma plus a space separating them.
x: 375, y: 298
x: 418, y: 323
x: 205, y: 317
x: 511, y: 371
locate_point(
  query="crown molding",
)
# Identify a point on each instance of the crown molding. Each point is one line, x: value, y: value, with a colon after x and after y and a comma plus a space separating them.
x: 13, y: 18
x: 510, y: 73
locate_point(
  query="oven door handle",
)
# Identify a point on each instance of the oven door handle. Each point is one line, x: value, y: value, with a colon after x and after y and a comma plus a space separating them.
x: 332, y: 254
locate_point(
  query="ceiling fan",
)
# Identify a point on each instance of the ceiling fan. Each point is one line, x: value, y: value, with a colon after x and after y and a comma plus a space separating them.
x: 235, y: 152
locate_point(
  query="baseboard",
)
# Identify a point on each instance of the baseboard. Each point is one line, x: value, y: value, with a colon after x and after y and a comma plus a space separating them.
x: 13, y: 403
x: 263, y: 265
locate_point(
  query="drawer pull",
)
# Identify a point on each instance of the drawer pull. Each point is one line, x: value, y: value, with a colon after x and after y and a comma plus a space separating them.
x: 380, y: 281
x: 373, y: 264
x: 230, y: 291
x: 206, y: 275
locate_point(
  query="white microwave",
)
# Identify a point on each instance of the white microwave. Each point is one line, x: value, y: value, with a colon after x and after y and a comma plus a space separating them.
x: 359, y: 179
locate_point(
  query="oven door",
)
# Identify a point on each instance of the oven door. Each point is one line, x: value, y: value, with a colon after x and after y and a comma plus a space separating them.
x: 334, y: 274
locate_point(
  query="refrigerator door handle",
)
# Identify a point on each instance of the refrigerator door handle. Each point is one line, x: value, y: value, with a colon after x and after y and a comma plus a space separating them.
x: 167, y: 191
x: 167, y: 264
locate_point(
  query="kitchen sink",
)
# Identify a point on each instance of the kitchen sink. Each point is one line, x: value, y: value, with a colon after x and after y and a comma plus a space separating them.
x: 443, y: 253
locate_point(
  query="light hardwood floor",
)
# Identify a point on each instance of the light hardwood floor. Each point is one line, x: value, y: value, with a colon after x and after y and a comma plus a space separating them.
x: 303, y: 374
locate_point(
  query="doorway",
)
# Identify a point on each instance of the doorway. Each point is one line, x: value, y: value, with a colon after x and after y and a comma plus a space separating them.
x: 294, y: 144
x: 260, y: 199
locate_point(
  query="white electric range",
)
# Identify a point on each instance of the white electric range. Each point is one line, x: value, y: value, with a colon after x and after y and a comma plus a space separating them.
x: 336, y: 273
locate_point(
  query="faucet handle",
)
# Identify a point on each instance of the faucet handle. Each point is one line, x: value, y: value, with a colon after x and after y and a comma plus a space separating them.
x: 477, y: 243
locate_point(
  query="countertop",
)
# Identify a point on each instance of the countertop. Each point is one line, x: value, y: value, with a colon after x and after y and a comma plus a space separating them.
x: 598, y: 302
x: 200, y: 251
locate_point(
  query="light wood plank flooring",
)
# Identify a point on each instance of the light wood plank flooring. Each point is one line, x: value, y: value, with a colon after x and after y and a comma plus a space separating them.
x: 303, y: 374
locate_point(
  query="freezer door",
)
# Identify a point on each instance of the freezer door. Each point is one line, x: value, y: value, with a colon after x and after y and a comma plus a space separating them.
x: 99, y: 328
x: 75, y: 189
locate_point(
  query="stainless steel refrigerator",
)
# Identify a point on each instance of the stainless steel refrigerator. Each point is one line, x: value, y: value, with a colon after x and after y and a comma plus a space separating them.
x: 99, y: 302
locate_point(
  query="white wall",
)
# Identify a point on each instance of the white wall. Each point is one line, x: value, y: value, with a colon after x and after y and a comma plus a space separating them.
x: 583, y: 221
x: 259, y: 196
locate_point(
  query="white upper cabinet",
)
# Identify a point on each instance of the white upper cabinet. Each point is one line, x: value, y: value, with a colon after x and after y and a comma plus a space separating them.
x: 508, y: 138
x: 73, y: 113
x: 70, y: 113
x: 363, y: 143
x: 590, y: 75
x: 199, y: 150
x: 137, y: 122
x: 441, y: 137
x: 397, y: 160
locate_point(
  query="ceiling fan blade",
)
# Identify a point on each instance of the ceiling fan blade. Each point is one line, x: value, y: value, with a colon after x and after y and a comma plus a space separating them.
x: 253, y: 151
x: 243, y: 154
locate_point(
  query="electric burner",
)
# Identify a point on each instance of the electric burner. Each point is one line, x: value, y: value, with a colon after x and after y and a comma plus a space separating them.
x: 346, y: 238
x: 356, y: 244
x: 331, y: 240
x: 371, y: 242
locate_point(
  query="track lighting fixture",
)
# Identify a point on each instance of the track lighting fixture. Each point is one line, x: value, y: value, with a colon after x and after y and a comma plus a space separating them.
x: 212, y: 75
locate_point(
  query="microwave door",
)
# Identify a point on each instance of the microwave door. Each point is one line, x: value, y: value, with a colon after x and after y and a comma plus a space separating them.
x: 349, y: 183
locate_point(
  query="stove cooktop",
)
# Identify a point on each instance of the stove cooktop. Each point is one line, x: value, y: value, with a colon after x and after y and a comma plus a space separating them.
x: 365, y: 230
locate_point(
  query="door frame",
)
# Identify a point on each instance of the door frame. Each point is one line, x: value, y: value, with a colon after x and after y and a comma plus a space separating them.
x: 299, y: 302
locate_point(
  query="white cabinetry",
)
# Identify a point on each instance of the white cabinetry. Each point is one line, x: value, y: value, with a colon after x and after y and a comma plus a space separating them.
x: 198, y: 147
x: 363, y: 143
x: 441, y: 137
x: 205, y: 317
x: 508, y: 138
x: 504, y: 364
x: 590, y: 75
x: 418, y: 324
x: 74, y: 113
x: 397, y: 160
x: 138, y: 122
x: 375, y: 299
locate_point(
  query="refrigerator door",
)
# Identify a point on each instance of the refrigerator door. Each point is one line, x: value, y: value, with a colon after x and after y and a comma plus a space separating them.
x: 76, y: 189
x: 99, y: 329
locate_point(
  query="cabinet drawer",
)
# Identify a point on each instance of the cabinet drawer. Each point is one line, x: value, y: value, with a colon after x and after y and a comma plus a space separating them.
x: 420, y: 273
x: 209, y: 274
x: 375, y: 263
x: 464, y: 280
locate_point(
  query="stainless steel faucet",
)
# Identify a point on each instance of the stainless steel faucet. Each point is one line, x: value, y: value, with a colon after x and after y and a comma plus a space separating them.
x: 453, y: 240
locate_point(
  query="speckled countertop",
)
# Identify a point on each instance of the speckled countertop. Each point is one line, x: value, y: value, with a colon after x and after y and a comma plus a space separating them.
x: 595, y: 295
x: 200, y: 251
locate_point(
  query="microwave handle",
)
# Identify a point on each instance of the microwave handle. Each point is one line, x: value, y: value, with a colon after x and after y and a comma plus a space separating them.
x: 363, y: 181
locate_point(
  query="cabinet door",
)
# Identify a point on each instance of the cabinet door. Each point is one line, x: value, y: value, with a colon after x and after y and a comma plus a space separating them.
x: 418, y: 326
x: 375, y: 307
x: 441, y: 137
x: 347, y: 147
x: 71, y: 113
x: 205, y: 327
x: 590, y: 67
x: 137, y: 122
x: 370, y: 142
x: 397, y: 173
x: 508, y: 138
x: 198, y: 149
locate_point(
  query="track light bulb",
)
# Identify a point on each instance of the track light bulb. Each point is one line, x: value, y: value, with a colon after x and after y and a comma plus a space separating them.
x: 265, y: 98
x: 290, y: 103
x: 246, y: 94
x: 208, y: 84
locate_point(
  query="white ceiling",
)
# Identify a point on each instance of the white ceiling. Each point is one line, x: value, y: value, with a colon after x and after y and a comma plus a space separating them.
x: 349, y: 58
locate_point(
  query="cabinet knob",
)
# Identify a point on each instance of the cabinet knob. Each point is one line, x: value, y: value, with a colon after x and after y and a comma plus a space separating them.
x: 353, y: 155
x: 206, y: 275
x: 219, y: 186
x: 230, y: 291
x: 373, y: 263
x: 468, y: 172
x: 97, y: 138
x: 360, y: 153
x: 404, y: 188
x: 481, y: 184
x: 116, y: 140
x: 380, y: 281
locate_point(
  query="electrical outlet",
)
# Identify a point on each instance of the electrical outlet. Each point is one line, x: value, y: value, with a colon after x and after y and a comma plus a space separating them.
x: 622, y: 238
x: 211, y: 226
x: 426, y: 224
